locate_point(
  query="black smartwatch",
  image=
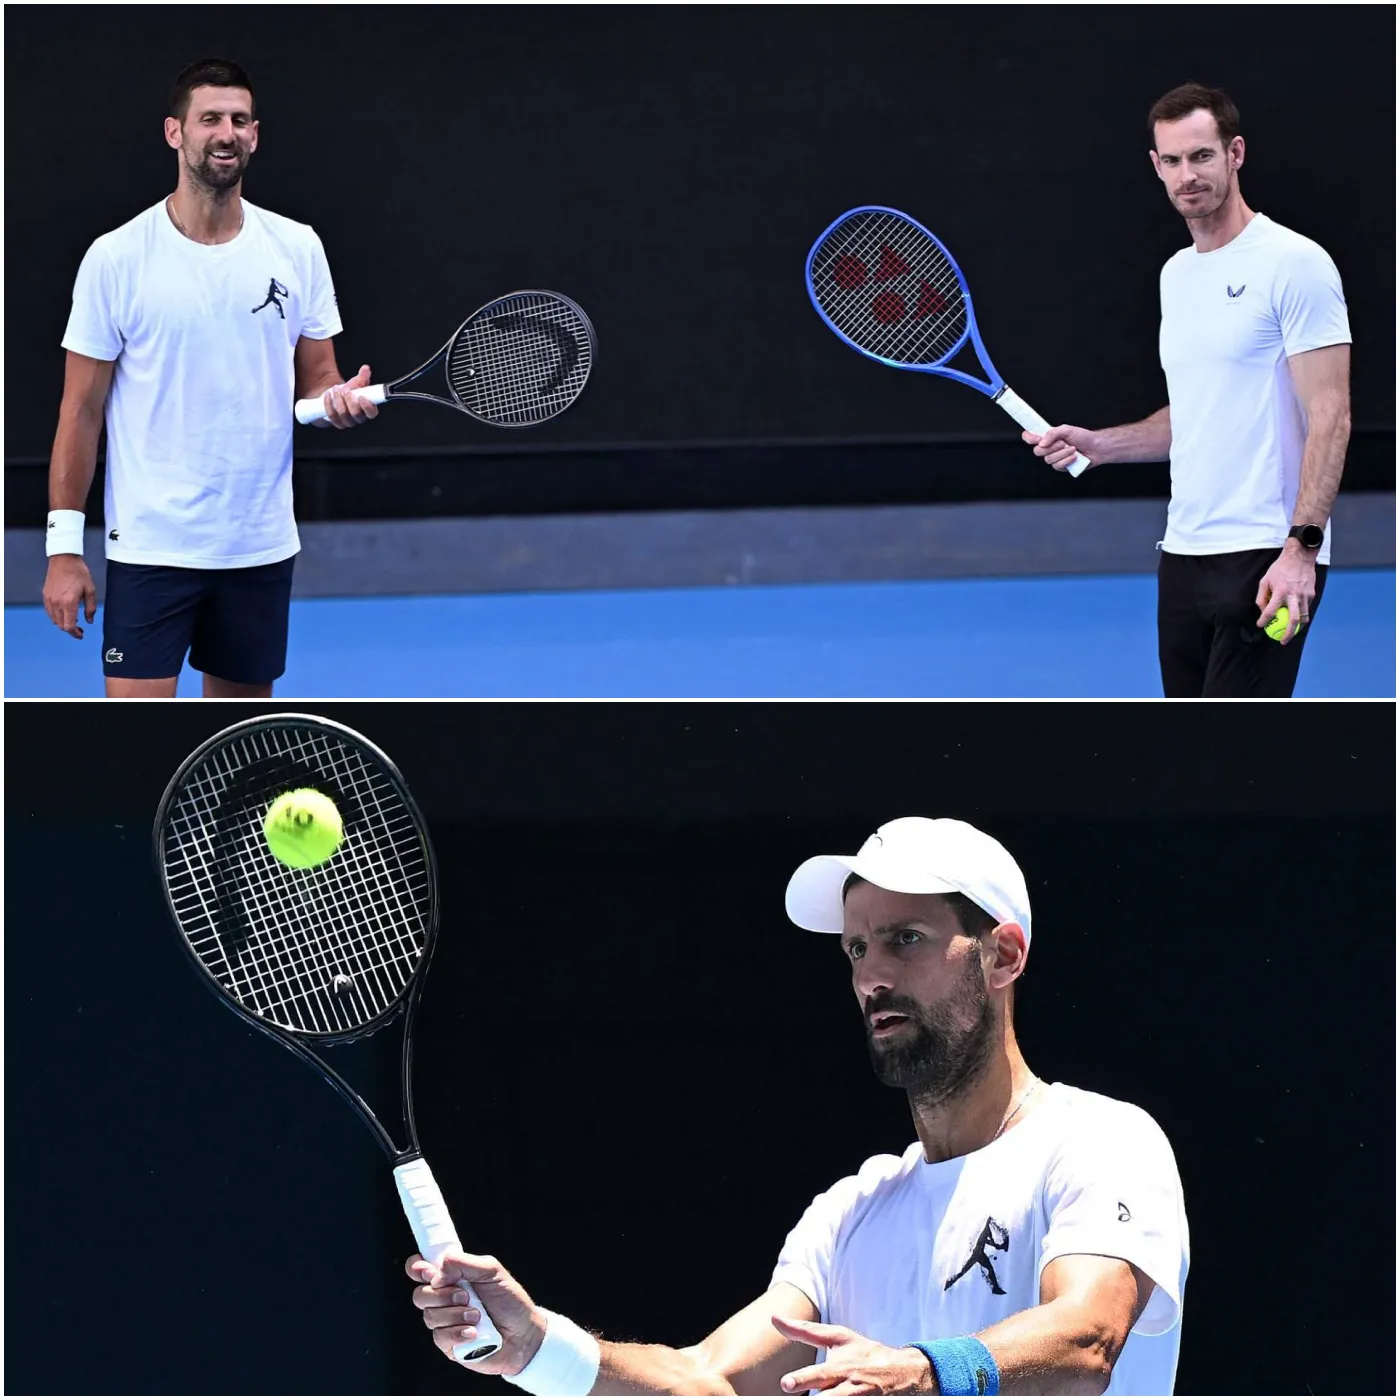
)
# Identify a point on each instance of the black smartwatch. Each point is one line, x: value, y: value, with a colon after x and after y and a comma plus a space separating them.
x: 1309, y: 536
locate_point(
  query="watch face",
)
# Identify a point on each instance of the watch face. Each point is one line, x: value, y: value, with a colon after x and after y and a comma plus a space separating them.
x: 1310, y: 536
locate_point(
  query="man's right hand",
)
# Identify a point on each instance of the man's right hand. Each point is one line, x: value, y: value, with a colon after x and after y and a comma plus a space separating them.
x: 69, y: 590
x: 442, y: 1300
x: 1060, y: 445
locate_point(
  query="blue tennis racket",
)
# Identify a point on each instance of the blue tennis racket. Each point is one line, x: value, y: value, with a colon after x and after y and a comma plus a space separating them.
x: 891, y: 290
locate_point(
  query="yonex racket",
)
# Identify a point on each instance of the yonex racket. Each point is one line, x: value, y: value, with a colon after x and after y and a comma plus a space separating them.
x: 518, y: 361
x: 319, y: 956
x: 891, y: 290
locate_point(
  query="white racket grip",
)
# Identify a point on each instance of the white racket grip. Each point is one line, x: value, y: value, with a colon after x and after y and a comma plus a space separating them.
x: 314, y: 410
x: 1032, y: 422
x: 435, y: 1233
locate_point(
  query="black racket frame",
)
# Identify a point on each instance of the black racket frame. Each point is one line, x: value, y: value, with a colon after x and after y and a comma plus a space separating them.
x: 405, y: 1004
x: 397, y: 388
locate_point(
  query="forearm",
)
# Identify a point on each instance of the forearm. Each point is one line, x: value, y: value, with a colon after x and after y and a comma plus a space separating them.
x: 314, y: 386
x: 74, y: 459
x: 636, y: 1368
x: 1058, y: 1348
x: 1324, y: 456
x: 1147, y: 441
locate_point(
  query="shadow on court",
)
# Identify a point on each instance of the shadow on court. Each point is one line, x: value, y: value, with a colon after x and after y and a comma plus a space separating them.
x: 997, y: 638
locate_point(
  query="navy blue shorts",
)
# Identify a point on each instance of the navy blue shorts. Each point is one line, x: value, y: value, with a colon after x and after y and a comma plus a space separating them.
x: 231, y: 622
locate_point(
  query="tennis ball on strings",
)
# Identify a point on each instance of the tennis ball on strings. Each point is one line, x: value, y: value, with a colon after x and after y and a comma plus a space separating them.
x: 1278, y: 625
x: 303, y: 828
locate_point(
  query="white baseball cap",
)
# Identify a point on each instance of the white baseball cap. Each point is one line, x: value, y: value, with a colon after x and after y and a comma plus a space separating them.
x: 914, y: 855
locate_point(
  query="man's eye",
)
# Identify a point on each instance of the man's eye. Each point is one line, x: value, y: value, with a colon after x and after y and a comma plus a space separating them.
x: 856, y: 951
x: 908, y: 935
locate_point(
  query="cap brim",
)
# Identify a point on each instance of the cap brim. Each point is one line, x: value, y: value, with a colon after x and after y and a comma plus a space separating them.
x: 814, y: 893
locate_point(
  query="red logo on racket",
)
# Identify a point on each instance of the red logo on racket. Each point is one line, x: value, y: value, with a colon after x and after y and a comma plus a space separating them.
x: 848, y: 272
x: 888, y: 306
x: 891, y: 265
x: 932, y: 302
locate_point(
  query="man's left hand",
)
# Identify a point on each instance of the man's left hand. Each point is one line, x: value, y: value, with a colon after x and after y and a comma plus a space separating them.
x: 344, y: 407
x: 1291, y: 581
x: 854, y: 1364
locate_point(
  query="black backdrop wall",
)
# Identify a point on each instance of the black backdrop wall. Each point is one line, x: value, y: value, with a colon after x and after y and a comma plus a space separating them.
x: 669, y: 166
x: 634, y: 1074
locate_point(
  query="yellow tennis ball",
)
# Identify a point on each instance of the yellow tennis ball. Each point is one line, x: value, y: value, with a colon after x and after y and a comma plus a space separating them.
x: 303, y: 828
x: 1278, y: 625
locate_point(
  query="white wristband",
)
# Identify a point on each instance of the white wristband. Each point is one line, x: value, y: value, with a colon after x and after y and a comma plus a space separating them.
x: 65, y: 532
x: 566, y: 1363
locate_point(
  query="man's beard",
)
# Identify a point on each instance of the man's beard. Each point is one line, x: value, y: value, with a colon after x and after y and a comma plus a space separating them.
x: 1201, y: 211
x: 217, y: 178
x: 943, y: 1048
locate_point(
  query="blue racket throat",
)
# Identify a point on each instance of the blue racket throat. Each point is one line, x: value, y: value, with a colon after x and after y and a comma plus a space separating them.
x: 891, y: 290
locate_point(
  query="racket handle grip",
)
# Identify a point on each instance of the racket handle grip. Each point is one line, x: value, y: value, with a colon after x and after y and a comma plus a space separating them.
x: 314, y: 410
x: 1032, y: 422
x: 433, y: 1229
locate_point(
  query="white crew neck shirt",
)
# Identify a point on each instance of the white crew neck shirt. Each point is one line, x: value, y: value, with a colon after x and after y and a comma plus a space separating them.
x: 199, y: 417
x: 914, y: 1251
x: 1230, y: 320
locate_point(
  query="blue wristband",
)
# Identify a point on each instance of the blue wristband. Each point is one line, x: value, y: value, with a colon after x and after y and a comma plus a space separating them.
x: 962, y: 1366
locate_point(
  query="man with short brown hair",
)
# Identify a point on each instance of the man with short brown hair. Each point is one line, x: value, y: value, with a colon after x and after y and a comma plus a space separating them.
x: 194, y: 325
x: 1256, y: 349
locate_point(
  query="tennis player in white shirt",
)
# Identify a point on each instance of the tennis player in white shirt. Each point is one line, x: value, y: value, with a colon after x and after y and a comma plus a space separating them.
x: 194, y: 327
x: 1032, y: 1240
x: 1256, y: 347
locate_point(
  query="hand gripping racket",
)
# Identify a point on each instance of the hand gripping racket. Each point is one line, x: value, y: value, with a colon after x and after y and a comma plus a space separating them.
x: 518, y: 361
x: 320, y: 956
x: 891, y: 290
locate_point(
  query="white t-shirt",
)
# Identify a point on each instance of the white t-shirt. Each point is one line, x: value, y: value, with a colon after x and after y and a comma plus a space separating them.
x: 913, y: 1251
x: 199, y: 418
x: 1230, y: 320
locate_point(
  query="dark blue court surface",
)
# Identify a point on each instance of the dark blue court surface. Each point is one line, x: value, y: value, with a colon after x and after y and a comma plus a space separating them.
x: 1000, y: 638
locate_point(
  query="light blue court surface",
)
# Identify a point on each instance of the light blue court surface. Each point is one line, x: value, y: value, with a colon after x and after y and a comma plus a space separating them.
x: 1031, y: 638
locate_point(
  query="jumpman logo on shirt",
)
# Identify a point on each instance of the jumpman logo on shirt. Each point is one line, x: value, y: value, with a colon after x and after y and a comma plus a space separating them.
x: 994, y: 1239
x: 274, y: 290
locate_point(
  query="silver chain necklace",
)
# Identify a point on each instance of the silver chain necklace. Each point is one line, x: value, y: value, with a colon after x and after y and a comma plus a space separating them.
x: 170, y: 209
x: 1020, y: 1104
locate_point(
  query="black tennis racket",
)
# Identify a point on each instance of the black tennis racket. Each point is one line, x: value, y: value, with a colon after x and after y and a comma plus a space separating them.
x: 320, y: 956
x: 518, y: 361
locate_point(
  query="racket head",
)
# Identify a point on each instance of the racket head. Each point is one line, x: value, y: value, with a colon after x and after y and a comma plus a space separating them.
x: 520, y: 360
x: 890, y: 289
x: 270, y: 940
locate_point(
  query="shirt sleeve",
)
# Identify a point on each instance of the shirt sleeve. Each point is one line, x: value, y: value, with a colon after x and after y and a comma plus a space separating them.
x: 1308, y: 296
x: 92, y: 323
x: 805, y: 1259
x: 1113, y: 1189
x: 321, y: 319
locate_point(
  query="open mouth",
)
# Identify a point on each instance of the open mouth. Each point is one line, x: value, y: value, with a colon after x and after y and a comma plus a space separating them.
x: 886, y: 1023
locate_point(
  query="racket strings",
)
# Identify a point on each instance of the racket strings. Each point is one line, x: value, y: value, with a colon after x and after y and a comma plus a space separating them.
x: 275, y: 938
x: 356, y: 916
x: 285, y: 971
x: 521, y: 360
x: 281, y: 967
x: 281, y: 964
x: 890, y: 289
x: 359, y: 926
